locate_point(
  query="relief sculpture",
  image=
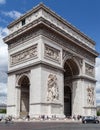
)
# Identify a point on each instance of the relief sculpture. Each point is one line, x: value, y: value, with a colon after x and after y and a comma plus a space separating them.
x: 89, y: 70
x: 90, y: 96
x: 52, y: 53
x: 52, y: 90
x: 24, y: 55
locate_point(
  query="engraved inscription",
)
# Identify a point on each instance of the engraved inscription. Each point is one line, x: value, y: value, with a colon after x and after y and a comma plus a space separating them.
x: 24, y: 55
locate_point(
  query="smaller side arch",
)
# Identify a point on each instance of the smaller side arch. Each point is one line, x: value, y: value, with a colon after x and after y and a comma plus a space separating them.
x: 23, y: 82
x: 20, y: 77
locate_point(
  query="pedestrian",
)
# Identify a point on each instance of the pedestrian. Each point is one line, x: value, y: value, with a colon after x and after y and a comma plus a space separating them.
x: 28, y: 117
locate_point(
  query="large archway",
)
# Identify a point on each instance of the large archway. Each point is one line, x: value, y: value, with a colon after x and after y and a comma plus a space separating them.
x: 71, y: 70
x: 24, y: 95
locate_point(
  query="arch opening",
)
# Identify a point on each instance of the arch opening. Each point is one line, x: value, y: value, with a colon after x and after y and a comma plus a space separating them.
x: 24, y: 95
x: 71, y: 70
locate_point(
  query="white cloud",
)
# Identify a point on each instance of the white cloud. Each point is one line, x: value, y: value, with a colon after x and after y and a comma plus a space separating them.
x: 3, y: 65
x: 98, y: 80
x: 3, y: 88
x: 3, y: 32
x: 2, y: 1
x: 3, y: 93
x: 98, y: 69
x: 3, y: 49
x: 12, y: 14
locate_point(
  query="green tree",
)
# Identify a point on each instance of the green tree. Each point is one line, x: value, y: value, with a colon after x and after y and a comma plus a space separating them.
x: 98, y: 113
x: 2, y: 110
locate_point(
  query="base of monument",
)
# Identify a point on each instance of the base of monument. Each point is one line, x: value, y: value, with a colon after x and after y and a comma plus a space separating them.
x: 51, y: 116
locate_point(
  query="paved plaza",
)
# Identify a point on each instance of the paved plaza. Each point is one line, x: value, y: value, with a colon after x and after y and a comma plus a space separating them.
x: 48, y: 126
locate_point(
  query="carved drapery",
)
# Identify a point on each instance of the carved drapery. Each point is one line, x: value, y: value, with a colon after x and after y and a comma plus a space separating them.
x: 89, y: 70
x: 52, y: 90
x: 52, y: 53
x: 90, y: 96
x: 24, y: 55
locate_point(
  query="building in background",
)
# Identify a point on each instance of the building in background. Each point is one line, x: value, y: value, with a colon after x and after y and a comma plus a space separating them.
x: 51, y: 67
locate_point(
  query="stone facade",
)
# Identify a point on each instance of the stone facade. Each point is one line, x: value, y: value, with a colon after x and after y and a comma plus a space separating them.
x: 51, y: 67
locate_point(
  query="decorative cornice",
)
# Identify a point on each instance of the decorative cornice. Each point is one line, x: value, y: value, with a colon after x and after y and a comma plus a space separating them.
x: 36, y: 64
x: 81, y: 77
x: 11, y: 105
x: 22, y: 30
x: 43, y: 22
x: 28, y: 13
x: 90, y: 107
x: 68, y: 36
x: 47, y: 103
x: 85, y: 78
x: 52, y: 13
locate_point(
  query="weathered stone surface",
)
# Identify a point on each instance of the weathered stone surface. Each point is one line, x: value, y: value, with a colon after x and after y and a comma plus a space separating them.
x: 51, y: 67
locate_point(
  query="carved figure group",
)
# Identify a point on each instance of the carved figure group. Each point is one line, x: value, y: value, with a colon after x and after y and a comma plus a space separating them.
x: 53, y: 92
x: 26, y: 54
x: 90, y: 95
x: 52, y: 53
x: 89, y: 70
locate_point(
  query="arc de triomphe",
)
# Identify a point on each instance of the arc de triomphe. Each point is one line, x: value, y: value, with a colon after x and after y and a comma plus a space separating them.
x: 51, y: 67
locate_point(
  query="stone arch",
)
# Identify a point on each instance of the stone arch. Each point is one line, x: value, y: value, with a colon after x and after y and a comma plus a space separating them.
x: 20, y: 77
x: 73, y: 66
x: 71, y: 70
x: 75, y: 60
x: 24, y: 83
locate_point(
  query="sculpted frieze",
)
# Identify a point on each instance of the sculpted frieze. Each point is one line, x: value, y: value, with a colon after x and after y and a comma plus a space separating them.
x: 59, y: 40
x: 24, y: 55
x: 89, y: 70
x: 52, y: 88
x: 52, y: 53
x: 68, y: 45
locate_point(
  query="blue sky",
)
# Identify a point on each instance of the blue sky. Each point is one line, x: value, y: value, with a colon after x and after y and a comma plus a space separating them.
x: 83, y: 14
